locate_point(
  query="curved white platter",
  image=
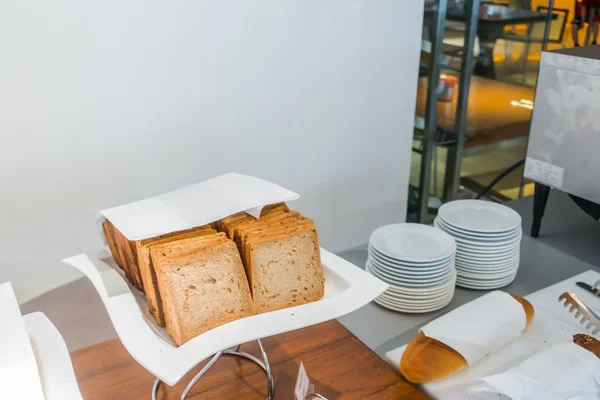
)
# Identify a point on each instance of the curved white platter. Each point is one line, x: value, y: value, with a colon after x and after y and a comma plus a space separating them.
x: 52, y: 358
x: 347, y: 288
x: 34, y: 359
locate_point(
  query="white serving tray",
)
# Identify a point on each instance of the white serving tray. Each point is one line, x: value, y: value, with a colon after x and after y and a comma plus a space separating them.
x: 52, y: 359
x: 347, y: 288
x: 552, y: 324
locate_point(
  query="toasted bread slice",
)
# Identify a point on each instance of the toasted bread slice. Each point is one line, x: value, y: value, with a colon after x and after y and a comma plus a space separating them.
x: 202, y: 290
x: 109, y: 236
x: 149, y: 275
x: 285, y: 269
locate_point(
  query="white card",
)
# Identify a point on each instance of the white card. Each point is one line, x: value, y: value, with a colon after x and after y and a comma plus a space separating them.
x: 481, y: 326
x: 302, y: 383
x: 544, y: 172
x: 195, y: 205
x: 19, y: 377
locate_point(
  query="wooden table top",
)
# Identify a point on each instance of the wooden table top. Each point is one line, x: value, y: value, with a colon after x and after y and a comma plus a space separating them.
x: 489, y: 107
x: 339, y: 365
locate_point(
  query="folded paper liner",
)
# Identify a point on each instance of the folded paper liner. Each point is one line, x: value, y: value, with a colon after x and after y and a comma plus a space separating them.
x: 561, y: 372
x: 195, y: 205
x: 479, y: 327
x: 19, y: 376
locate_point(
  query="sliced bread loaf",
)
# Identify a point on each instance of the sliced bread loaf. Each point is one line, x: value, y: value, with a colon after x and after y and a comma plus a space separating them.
x: 202, y: 290
x: 284, y: 269
x: 149, y: 275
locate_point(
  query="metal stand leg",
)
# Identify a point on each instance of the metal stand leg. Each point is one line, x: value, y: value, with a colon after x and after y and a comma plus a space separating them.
x: 540, y: 198
x: 264, y: 365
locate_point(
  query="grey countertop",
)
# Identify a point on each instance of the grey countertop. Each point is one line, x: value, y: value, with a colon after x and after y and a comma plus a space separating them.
x: 569, y: 244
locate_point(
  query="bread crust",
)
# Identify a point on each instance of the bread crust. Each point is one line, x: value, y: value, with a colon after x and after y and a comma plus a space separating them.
x: 426, y: 359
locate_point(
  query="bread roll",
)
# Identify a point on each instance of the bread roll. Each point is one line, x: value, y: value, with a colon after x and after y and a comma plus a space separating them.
x: 587, y: 342
x: 426, y: 359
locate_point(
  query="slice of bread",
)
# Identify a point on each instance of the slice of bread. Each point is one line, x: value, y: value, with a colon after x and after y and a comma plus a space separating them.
x: 285, y: 269
x: 202, y: 290
x: 160, y: 254
x: 229, y: 223
x: 109, y: 236
x: 132, y: 253
x: 149, y: 275
x: 126, y: 255
x: 294, y: 220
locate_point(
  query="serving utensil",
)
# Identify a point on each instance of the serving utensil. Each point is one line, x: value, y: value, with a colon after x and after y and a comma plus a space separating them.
x: 588, y: 317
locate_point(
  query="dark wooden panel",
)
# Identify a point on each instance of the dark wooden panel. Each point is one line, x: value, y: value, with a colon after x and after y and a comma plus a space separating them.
x: 340, y: 366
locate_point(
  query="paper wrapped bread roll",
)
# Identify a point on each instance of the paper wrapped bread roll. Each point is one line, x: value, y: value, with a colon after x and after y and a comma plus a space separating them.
x: 426, y: 359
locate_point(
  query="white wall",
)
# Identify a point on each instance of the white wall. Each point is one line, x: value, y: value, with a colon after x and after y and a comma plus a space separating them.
x: 107, y: 102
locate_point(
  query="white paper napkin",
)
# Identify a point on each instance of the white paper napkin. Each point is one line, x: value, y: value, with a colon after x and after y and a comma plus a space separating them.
x: 562, y: 372
x: 19, y: 377
x: 480, y: 327
x: 195, y: 205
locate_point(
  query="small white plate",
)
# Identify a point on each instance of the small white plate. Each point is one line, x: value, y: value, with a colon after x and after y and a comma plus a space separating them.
x: 411, y: 265
x: 479, y: 216
x: 420, y: 297
x: 460, y: 242
x: 469, y: 284
x: 415, y: 306
x: 407, y: 282
x: 410, y: 274
x: 412, y: 242
x: 478, y: 261
x: 409, y: 310
x: 439, y: 223
x: 422, y: 302
x: 423, y: 291
x: 489, y: 250
x: 488, y: 271
x: 487, y: 277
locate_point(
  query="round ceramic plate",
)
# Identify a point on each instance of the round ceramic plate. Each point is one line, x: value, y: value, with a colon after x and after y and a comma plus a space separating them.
x: 440, y: 223
x: 488, y: 250
x: 410, y: 310
x: 484, y: 261
x: 411, y: 271
x: 409, y: 283
x: 423, y: 291
x: 420, y: 297
x: 415, y: 306
x: 487, y: 271
x: 418, y: 302
x: 479, y: 216
x: 409, y: 275
x: 456, y: 233
x: 460, y: 242
x: 470, y: 284
x: 414, y: 265
x: 489, y: 264
x: 487, y: 277
x: 412, y: 242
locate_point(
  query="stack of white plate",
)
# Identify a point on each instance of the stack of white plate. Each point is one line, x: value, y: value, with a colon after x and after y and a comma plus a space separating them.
x: 488, y: 237
x: 417, y: 261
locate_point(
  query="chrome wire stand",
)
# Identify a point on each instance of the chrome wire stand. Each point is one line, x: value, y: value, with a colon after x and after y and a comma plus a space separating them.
x: 266, y: 367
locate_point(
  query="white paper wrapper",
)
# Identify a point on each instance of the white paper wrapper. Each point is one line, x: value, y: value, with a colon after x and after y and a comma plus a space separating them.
x: 561, y: 372
x: 195, y: 205
x: 19, y: 377
x: 480, y: 327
